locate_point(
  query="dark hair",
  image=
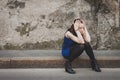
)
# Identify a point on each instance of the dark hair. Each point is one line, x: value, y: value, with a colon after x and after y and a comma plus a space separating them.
x: 78, y: 19
x: 71, y: 29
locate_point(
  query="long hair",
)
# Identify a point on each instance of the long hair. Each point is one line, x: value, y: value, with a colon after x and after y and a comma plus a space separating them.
x: 71, y: 29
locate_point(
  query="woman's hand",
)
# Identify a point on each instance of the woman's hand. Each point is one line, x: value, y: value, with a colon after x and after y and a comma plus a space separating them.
x: 82, y: 30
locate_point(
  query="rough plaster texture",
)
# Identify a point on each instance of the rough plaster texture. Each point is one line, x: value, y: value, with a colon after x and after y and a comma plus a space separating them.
x: 41, y: 24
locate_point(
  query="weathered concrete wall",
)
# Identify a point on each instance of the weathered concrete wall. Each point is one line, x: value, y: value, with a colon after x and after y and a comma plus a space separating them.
x: 41, y: 24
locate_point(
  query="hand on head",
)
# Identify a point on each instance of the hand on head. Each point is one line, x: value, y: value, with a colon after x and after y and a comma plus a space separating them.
x: 80, y: 25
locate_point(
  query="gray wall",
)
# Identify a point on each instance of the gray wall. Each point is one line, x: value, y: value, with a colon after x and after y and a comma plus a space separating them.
x: 41, y: 24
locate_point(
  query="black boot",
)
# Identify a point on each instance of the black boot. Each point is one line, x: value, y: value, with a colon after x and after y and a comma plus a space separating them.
x: 68, y: 67
x: 95, y: 66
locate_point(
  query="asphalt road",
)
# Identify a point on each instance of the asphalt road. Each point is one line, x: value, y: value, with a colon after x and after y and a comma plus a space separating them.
x: 59, y: 74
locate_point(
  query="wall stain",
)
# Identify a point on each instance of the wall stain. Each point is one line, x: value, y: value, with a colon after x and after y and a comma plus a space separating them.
x: 12, y: 4
x: 23, y: 29
x: 57, y: 44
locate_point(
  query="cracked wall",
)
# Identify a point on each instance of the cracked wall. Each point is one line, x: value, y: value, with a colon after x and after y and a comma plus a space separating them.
x: 41, y: 24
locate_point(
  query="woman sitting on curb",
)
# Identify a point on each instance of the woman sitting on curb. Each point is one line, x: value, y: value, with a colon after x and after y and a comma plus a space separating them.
x: 76, y: 40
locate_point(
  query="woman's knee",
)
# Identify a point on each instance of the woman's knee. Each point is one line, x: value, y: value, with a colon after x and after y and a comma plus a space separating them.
x: 87, y: 44
x: 77, y: 47
x: 80, y: 46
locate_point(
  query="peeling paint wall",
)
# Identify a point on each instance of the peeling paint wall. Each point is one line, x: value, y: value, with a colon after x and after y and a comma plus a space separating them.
x: 41, y: 24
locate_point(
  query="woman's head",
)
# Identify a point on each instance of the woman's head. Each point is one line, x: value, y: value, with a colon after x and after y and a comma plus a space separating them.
x: 78, y: 20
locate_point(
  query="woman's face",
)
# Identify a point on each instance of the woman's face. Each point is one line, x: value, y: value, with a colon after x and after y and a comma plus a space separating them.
x: 80, y: 26
x: 79, y: 23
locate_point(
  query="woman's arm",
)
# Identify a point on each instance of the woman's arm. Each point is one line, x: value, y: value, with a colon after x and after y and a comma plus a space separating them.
x: 86, y: 35
x: 78, y: 33
x: 74, y: 38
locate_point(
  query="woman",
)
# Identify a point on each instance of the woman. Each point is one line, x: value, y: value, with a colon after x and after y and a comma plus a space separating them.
x: 76, y: 40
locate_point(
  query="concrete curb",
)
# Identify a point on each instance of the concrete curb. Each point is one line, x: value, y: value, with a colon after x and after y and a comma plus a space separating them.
x: 53, y: 59
x: 55, y: 62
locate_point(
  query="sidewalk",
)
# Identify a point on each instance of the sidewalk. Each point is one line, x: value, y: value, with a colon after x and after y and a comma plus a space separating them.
x: 53, y: 59
x: 59, y: 74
